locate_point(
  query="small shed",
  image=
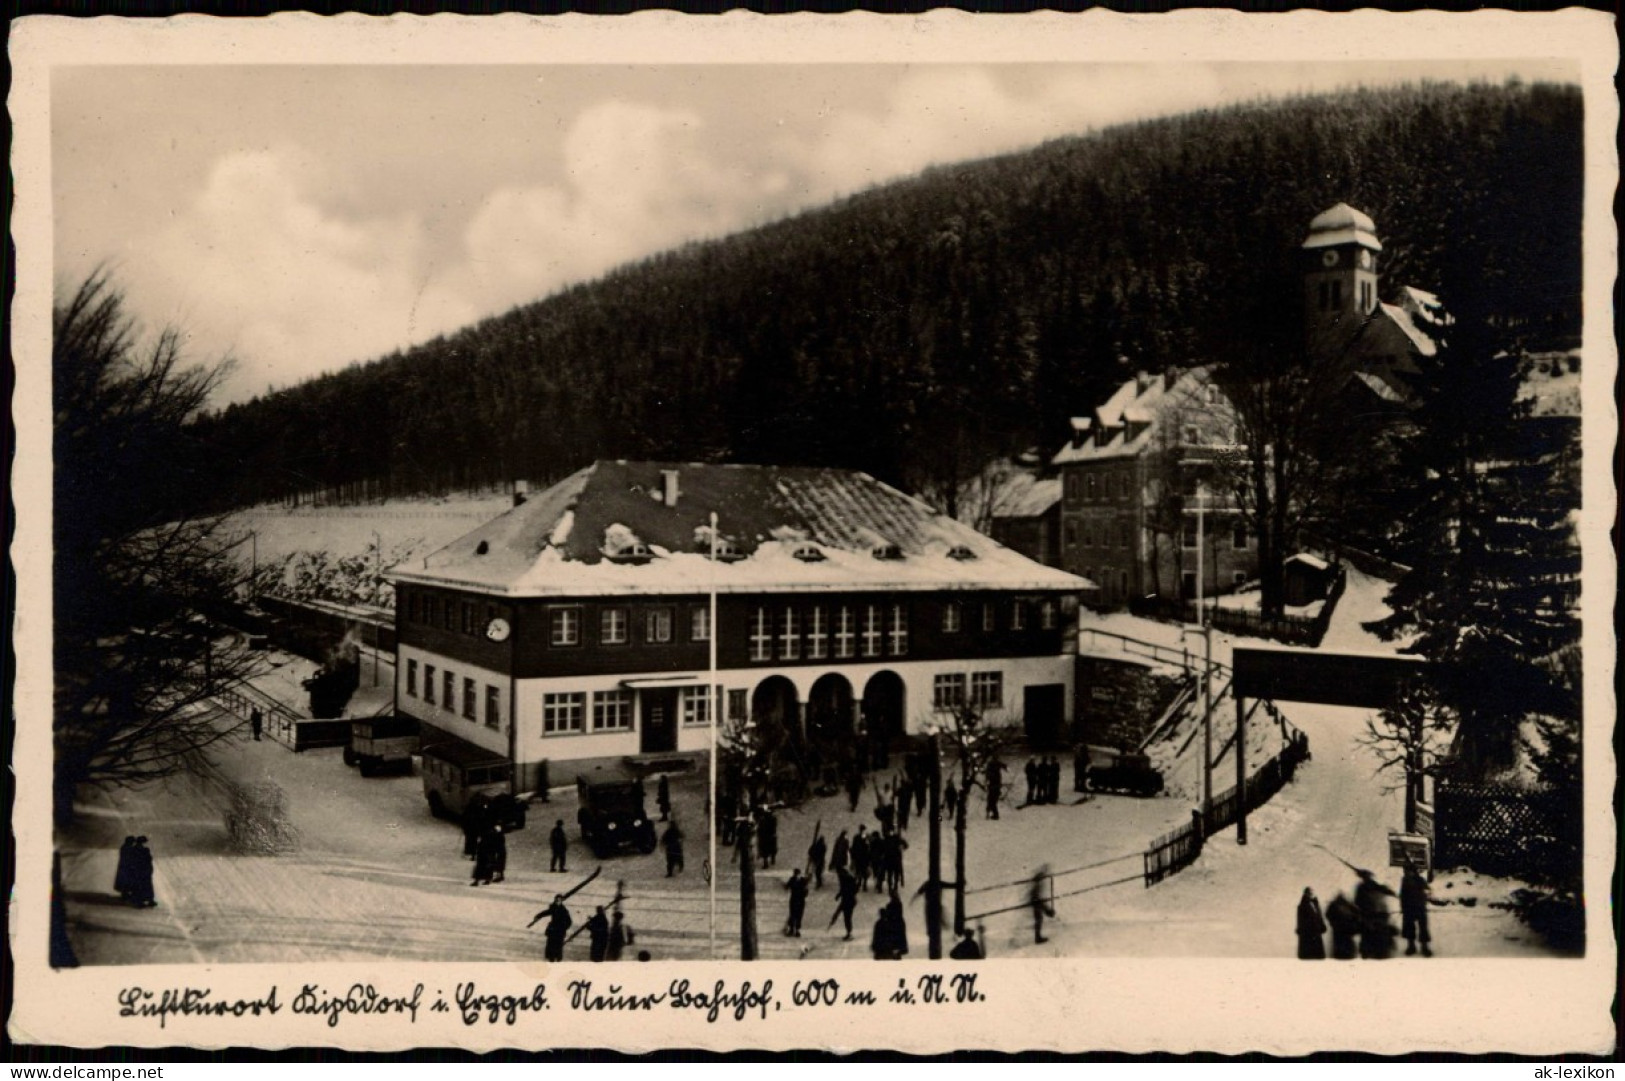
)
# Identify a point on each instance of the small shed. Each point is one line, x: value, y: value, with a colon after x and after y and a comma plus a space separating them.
x: 1307, y: 577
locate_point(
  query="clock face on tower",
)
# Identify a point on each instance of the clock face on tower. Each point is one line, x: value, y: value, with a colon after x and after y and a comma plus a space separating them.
x: 1365, y: 259
x: 497, y: 630
x: 1328, y: 258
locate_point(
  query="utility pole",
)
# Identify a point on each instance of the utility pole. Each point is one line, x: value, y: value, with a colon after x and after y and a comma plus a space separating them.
x: 959, y: 839
x: 1241, y: 771
x: 933, y: 886
x: 747, y: 891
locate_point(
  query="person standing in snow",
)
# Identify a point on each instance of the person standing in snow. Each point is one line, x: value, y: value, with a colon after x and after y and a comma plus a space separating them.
x: 1344, y: 920
x: 560, y: 845
x: 1311, y: 928
x: 1039, y: 903
x: 663, y: 798
x: 1413, y: 912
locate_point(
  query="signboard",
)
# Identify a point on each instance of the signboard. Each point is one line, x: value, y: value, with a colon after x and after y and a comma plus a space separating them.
x: 1424, y: 819
x: 1337, y: 679
x: 1409, y: 850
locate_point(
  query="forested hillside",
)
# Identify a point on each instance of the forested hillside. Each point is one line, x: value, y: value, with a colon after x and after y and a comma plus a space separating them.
x: 918, y: 329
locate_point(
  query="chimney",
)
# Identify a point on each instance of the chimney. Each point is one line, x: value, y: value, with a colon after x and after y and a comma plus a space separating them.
x: 1142, y: 383
x: 669, y: 490
x: 521, y: 492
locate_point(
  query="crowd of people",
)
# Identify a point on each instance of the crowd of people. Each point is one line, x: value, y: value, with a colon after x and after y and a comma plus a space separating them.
x: 1362, y: 926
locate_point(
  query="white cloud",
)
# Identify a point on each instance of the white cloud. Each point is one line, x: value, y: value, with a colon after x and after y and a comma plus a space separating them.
x: 637, y: 179
x: 292, y: 288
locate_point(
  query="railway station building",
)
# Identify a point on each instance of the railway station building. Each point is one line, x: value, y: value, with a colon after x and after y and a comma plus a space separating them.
x: 577, y: 629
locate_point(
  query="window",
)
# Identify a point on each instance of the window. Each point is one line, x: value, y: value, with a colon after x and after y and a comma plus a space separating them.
x: 564, y: 626
x: 1047, y: 614
x: 657, y: 625
x: 1239, y: 539
x: 1187, y: 537
x: 448, y: 687
x: 450, y: 612
x: 699, y: 624
x: 1018, y: 615
x: 412, y: 607
x: 1091, y: 487
x: 948, y: 691
x: 1088, y: 535
x: 428, y: 683
x: 953, y: 617
x: 761, y: 637
x: 871, y: 630
x: 469, y: 705
x: 1238, y: 577
x: 612, y: 711
x: 613, y: 627
x: 1125, y: 535
x: 817, y: 635
x: 738, y: 705
x: 561, y: 712
x: 789, y: 635
x: 468, y: 617
x: 1071, y: 534
x: 844, y: 636
x: 1193, y: 434
x: 987, y: 690
x: 493, y: 707
x: 989, y: 618
x: 412, y: 678
x: 696, y: 705
x: 897, y: 631
x: 1210, y: 393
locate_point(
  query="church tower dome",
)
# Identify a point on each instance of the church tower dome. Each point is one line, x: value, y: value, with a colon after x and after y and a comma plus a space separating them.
x: 1339, y: 270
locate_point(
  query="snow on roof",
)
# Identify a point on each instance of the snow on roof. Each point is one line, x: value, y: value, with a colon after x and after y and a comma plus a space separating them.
x: 1027, y: 496
x: 1380, y: 386
x: 1423, y: 304
x: 1309, y: 559
x: 1401, y: 318
x: 1143, y: 408
x: 1342, y: 224
x: 768, y: 512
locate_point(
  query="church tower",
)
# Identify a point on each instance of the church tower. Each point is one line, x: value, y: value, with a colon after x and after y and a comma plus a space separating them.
x: 1339, y: 272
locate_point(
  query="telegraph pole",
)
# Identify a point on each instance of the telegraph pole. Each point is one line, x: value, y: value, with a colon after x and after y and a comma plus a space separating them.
x: 1241, y: 771
x: 933, y: 885
x: 747, y: 891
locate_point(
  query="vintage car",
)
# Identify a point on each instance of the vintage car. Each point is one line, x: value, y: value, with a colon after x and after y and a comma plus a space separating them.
x: 380, y: 743
x: 610, y: 812
x: 1117, y: 770
x: 460, y: 776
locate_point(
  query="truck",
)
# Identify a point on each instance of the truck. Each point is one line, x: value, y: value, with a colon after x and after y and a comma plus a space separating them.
x: 382, y: 743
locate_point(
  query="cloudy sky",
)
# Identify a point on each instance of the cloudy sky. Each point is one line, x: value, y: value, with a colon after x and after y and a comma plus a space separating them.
x: 301, y: 218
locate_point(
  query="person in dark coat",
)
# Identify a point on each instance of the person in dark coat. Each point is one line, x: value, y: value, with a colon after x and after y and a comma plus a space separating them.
x: 861, y: 853
x: 1311, y: 928
x: 597, y: 935
x: 142, y: 894
x: 966, y: 949
x: 841, y: 853
x: 1031, y: 770
x: 885, y: 813
x: 663, y: 798
x: 854, y: 788
x: 798, y: 903
x: 1376, y: 928
x: 1344, y: 919
x: 474, y: 823
x: 815, y: 860
x: 950, y: 798
x: 1054, y: 779
x: 1039, y: 903
x: 768, y: 838
x: 672, y: 842
x: 620, y: 937
x: 490, y: 855
x: 256, y: 722
x: 727, y: 813
x: 905, y: 799
x: 560, y: 845
x: 995, y: 787
x: 922, y: 789
x: 1413, y: 912
x: 894, y: 847
x: 890, y: 940
x: 1080, y: 770
x: 558, y: 925
x: 123, y: 877
x: 846, y: 899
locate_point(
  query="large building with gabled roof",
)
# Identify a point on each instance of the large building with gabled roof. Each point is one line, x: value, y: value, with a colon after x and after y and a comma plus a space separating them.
x: 577, y: 627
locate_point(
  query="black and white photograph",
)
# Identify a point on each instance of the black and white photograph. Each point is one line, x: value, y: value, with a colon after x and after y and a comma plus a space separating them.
x: 787, y: 508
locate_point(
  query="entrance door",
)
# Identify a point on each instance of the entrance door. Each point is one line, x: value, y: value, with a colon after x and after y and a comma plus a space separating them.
x: 1044, y: 714
x: 659, y: 721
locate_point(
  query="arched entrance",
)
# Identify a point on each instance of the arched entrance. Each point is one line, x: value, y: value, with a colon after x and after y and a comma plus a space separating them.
x: 829, y: 711
x: 884, y: 709
x: 773, y: 708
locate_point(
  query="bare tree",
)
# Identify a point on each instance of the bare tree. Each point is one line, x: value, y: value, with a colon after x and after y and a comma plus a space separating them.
x: 976, y: 744
x: 1410, y: 738
x: 138, y: 581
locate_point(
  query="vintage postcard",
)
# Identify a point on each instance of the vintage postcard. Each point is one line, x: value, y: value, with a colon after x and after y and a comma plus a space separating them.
x: 1077, y: 533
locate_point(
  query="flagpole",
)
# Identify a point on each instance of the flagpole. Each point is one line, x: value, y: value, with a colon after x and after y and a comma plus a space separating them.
x: 716, y: 709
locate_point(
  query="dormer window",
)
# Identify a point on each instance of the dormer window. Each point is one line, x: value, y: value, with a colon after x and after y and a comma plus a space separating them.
x: 726, y: 551
x: 634, y: 552
x: 961, y: 553
x: 809, y: 553
x: 886, y: 551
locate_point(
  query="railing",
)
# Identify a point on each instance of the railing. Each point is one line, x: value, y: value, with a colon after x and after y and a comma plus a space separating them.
x: 280, y: 723
x: 1136, y: 647
x: 1292, y: 630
